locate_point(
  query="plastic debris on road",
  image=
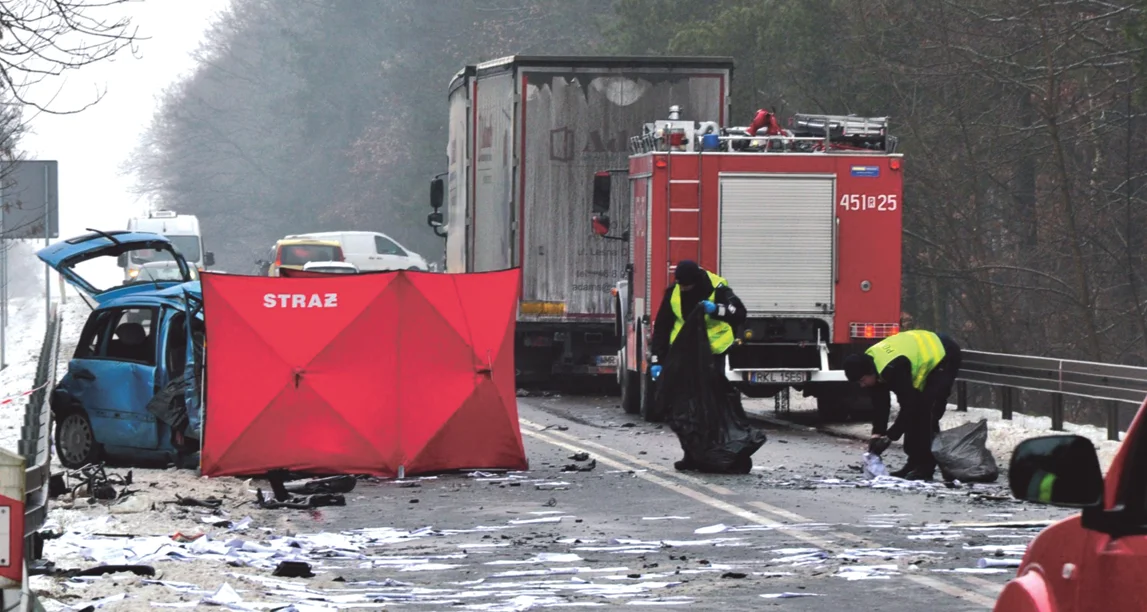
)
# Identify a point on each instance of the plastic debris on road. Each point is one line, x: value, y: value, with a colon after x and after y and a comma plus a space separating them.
x: 874, y: 466
x: 998, y: 562
x: 867, y: 572
x: 787, y: 595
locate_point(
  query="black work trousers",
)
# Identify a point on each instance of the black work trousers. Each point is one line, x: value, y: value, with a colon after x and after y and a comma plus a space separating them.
x: 924, y: 422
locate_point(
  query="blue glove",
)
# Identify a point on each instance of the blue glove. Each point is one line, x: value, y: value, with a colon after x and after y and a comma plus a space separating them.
x: 709, y: 307
x: 655, y: 371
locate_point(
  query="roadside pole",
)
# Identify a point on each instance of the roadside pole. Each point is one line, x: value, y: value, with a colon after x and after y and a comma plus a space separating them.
x: 3, y: 284
x: 47, y: 242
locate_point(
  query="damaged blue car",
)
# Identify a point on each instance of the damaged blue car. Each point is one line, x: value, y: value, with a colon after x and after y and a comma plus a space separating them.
x: 132, y: 392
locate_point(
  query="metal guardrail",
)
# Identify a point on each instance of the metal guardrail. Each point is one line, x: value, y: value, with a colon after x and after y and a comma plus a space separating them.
x: 1115, y: 385
x: 35, y: 437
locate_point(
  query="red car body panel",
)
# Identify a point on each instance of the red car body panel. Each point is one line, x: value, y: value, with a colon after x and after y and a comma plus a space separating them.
x: 1069, y: 568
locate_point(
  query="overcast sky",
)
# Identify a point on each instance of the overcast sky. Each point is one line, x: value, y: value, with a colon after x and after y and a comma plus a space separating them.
x: 92, y: 146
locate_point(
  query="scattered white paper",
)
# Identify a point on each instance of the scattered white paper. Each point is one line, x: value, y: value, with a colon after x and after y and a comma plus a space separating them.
x: 544, y: 519
x: 867, y: 572
x: 223, y: 596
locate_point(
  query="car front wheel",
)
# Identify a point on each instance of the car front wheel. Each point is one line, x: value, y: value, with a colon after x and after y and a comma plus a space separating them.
x: 75, y: 441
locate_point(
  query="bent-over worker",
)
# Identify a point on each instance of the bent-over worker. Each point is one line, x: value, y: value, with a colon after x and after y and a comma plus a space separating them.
x: 920, y: 367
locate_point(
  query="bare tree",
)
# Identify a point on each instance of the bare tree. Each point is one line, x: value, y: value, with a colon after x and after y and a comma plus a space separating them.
x: 41, y: 39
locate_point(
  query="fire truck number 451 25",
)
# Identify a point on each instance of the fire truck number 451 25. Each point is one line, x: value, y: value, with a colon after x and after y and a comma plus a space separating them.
x: 882, y: 203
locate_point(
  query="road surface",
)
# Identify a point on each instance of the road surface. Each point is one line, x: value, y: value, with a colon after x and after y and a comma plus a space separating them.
x: 633, y: 531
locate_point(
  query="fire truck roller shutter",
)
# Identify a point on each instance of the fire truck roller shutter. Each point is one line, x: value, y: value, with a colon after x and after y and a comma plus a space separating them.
x: 777, y: 241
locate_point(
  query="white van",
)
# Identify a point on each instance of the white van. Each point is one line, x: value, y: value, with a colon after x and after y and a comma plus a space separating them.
x: 372, y: 251
x: 181, y: 230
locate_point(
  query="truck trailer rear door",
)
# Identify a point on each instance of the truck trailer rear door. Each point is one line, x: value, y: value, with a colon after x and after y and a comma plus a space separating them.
x: 777, y: 241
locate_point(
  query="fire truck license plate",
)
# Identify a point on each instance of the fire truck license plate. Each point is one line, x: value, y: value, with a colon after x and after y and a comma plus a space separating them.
x: 778, y: 377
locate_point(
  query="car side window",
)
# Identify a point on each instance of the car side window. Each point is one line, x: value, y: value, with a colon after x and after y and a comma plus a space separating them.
x: 384, y: 246
x: 92, y: 338
x: 132, y: 336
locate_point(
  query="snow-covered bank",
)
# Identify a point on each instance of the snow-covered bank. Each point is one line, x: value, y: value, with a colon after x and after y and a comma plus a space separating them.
x: 1003, y: 435
x: 23, y: 338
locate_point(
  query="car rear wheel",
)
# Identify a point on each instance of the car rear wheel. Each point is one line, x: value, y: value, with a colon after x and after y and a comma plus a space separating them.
x: 75, y: 441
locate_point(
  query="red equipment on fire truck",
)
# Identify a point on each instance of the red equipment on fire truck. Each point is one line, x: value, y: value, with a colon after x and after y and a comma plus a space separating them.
x: 804, y: 223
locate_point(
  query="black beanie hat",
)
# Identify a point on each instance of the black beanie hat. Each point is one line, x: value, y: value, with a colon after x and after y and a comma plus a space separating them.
x: 857, y: 366
x: 689, y: 273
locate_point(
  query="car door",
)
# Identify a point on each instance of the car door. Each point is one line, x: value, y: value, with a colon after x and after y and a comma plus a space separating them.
x: 182, y: 360
x: 358, y: 249
x: 1112, y: 566
x: 78, y: 381
x: 120, y: 378
x: 389, y: 255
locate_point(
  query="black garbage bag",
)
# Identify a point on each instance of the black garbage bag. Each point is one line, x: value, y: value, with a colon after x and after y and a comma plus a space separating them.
x: 962, y: 453
x: 702, y: 407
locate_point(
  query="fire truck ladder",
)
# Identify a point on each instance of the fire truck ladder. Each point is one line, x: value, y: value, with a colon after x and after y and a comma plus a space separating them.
x: 684, y: 234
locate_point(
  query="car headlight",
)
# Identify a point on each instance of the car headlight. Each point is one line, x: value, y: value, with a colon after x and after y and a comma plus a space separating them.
x: 133, y: 273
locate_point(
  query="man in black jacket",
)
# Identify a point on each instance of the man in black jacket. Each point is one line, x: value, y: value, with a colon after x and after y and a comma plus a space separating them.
x: 695, y: 285
x: 724, y: 312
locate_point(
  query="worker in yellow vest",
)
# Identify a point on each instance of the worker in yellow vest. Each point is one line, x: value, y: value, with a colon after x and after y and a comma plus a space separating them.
x: 920, y: 367
x: 723, y: 309
x: 724, y: 313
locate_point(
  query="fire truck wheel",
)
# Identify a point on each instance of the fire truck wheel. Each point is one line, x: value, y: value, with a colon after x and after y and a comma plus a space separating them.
x: 630, y: 387
x: 837, y: 403
x: 648, y: 395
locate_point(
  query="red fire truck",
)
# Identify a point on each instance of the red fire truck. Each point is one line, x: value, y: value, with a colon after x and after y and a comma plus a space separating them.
x: 803, y: 222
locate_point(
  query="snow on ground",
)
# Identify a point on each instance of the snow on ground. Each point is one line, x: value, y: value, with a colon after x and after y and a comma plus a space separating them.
x: 22, y: 341
x: 1003, y: 435
x: 24, y: 336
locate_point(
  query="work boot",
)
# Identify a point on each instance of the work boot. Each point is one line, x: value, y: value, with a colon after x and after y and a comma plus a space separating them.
x: 902, y: 472
x: 921, y: 473
x: 684, y: 465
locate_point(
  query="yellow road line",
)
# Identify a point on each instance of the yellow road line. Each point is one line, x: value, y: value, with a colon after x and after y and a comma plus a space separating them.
x: 573, y: 443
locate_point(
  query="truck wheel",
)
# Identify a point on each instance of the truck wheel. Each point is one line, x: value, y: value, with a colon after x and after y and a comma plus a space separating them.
x: 630, y: 387
x: 631, y: 392
x: 831, y: 409
x: 75, y: 441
